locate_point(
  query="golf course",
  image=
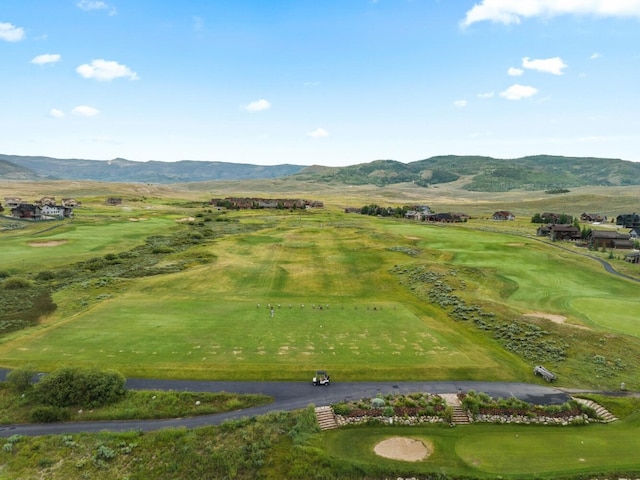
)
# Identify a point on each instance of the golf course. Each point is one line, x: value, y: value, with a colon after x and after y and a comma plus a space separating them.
x: 167, y: 286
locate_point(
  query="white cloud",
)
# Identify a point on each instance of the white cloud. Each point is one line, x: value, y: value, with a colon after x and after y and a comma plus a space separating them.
x: 553, y: 65
x: 318, y: 133
x: 89, y: 5
x: 595, y: 56
x: 486, y: 95
x: 46, y: 58
x: 85, y: 111
x: 515, y: 72
x: 518, y: 92
x: 460, y: 103
x: 258, y: 106
x: 513, y: 11
x: 11, y: 33
x: 104, y: 70
x: 55, y: 113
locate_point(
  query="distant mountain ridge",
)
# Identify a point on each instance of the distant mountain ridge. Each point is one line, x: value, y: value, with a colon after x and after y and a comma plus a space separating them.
x: 122, y: 170
x: 476, y: 173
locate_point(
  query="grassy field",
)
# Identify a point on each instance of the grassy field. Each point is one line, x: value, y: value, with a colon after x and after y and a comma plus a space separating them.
x: 487, y: 451
x: 366, y: 298
x: 338, y: 300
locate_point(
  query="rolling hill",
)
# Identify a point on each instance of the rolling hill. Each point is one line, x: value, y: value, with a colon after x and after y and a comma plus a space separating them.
x: 487, y: 174
x: 122, y: 170
x: 473, y: 173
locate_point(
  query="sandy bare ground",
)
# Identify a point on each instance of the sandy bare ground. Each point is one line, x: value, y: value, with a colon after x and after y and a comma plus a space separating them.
x: 403, y: 448
x: 186, y: 219
x: 547, y: 316
x: 50, y: 243
x: 560, y: 319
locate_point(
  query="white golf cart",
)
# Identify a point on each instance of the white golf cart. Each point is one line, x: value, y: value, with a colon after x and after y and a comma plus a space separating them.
x: 321, y: 378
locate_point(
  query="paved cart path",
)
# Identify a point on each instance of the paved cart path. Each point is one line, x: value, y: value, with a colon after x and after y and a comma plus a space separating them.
x: 287, y: 396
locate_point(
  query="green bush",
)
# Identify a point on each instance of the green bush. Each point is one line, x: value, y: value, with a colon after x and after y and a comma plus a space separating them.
x: 15, y: 283
x: 48, y: 414
x: 19, y: 380
x: 45, y: 275
x: 80, y: 387
x: 341, y: 408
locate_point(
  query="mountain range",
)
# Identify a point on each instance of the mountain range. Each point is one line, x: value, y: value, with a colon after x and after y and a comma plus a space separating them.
x: 476, y: 173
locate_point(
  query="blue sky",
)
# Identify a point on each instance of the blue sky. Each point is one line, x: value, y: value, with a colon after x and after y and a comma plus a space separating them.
x: 328, y: 82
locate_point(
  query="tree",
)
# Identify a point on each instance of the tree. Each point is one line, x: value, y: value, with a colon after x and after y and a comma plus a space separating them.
x: 537, y: 218
x: 565, y: 219
x: 19, y: 380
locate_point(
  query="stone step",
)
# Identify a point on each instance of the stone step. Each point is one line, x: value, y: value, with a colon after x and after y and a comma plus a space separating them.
x: 326, y: 418
x: 603, y: 413
x: 459, y: 415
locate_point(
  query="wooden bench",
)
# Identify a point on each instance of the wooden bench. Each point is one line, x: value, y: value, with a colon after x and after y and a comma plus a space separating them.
x: 544, y: 373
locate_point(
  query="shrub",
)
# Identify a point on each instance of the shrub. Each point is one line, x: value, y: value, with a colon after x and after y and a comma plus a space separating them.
x: 48, y: 414
x: 447, y: 415
x: 105, y: 453
x: 163, y: 249
x: 341, y: 409
x: 45, y: 275
x: 19, y: 380
x: 377, y: 402
x: 80, y: 387
x: 15, y: 283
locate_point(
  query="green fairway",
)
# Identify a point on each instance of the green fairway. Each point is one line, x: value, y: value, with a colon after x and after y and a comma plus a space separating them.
x: 546, y: 279
x: 618, y: 314
x: 340, y: 301
x: 484, y: 451
x: 50, y: 244
x: 550, y: 451
x: 211, y: 338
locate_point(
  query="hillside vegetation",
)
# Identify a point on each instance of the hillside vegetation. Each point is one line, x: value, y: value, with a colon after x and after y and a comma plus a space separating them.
x: 486, y: 174
x: 122, y: 170
x: 473, y: 173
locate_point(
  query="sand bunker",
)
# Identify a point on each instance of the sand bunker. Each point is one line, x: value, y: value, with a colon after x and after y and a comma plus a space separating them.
x: 403, y: 448
x: 50, y: 243
x: 186, y: 219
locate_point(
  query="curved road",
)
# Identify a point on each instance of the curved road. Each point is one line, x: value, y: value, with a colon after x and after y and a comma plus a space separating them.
x: 287, y: 396
x: 607, y: 266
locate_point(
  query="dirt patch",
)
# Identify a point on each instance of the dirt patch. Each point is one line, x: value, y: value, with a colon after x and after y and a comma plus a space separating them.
x: 50, y: 243
x: 547, y: 316
x: 403, y: 448
x: 559, y: 319
x: 186, y: 219
x: 138, y: 219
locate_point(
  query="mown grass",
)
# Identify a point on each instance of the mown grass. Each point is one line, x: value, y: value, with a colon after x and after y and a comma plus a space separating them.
x: 511, y: 451
x: 203, y: 320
